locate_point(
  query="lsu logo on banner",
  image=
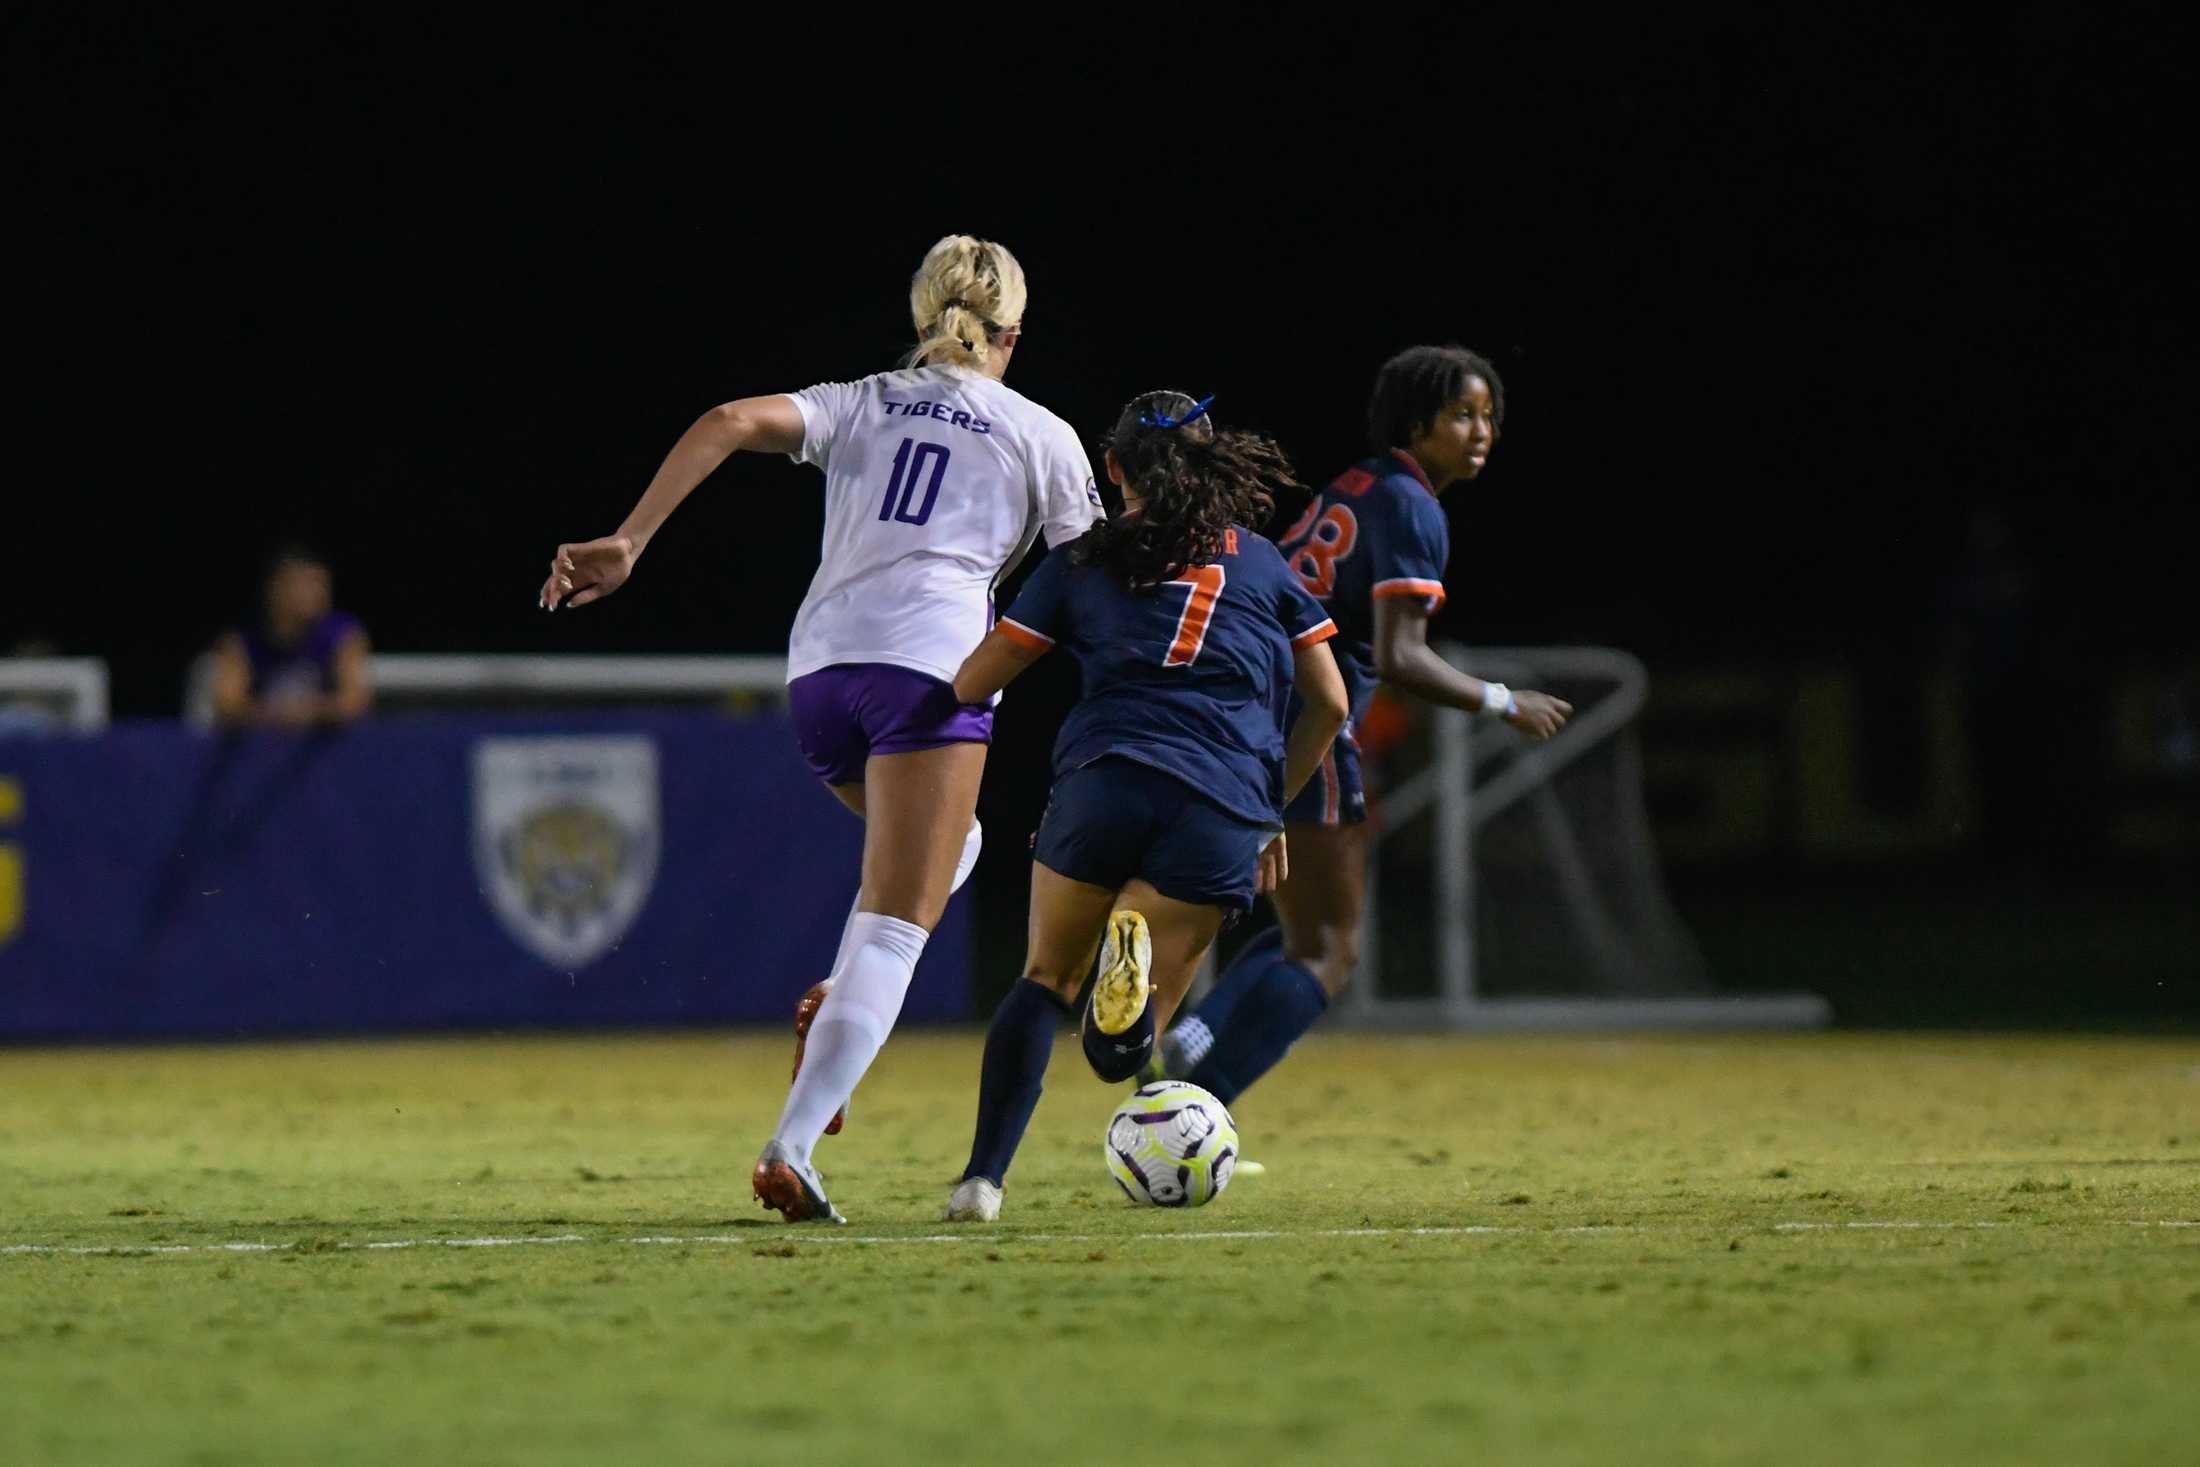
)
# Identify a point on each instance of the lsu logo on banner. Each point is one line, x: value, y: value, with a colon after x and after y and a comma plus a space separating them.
x: 566, y: 839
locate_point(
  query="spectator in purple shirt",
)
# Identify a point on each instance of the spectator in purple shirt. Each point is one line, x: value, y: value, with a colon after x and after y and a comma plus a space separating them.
x: 304, y: 664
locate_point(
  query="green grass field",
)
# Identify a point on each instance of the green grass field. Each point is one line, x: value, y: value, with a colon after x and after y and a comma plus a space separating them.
x: 1763, y: 1250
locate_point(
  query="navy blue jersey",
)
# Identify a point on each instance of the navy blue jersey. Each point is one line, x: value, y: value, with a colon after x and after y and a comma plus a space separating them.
x: 1192, y: 677
x: 1377, y: 531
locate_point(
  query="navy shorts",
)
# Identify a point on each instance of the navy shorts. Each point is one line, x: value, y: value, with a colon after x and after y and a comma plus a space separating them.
x: 1116, y: 819
x: 1335, y: 795
x: 846, y: 713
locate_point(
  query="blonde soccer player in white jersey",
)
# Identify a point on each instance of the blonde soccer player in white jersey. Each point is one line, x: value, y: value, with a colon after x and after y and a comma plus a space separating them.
x: 938, y: 480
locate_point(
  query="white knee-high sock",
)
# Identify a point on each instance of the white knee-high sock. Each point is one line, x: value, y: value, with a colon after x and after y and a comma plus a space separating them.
x: 869, y: 983
x: 964, y: 865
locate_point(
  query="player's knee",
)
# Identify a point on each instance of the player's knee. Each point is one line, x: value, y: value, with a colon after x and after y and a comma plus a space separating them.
x: 903, y: 905
x: 1330, y: 953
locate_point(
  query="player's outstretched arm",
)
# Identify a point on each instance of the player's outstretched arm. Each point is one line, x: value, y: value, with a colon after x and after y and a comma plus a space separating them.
x: 592, y: 569
x: 997, y: 661
x: 1404, y: 659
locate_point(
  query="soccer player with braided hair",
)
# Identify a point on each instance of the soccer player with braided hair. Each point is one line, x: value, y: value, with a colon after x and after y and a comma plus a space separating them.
x: 1172, y: 772
x: 1372, y: 549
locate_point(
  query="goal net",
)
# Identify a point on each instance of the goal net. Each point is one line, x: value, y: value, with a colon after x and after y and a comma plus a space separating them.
x: 1516, y: 885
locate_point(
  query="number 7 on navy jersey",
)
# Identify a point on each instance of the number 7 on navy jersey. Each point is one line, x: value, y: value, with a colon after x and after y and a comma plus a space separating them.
x: 1205, y: 585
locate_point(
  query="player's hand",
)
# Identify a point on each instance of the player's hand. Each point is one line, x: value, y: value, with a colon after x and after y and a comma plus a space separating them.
x: 1275, y: 867
x: 1539, y: 715
x: 588, y: 571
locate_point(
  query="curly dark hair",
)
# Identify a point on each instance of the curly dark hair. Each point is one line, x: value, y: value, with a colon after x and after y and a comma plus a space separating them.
x: 1194, y: 481
x: 1413, y: 386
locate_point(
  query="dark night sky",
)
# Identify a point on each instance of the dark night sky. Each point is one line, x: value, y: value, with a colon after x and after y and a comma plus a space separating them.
x: 1778, y: 302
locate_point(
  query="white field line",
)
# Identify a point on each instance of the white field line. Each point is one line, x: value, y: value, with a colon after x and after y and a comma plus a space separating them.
x: 818, y: 1235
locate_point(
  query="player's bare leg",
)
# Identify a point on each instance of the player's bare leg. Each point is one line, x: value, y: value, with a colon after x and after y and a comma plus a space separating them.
x: 1149, y: 947
x: 1156, y: 943
x: 805, y: 1010
x: 1320, y: 907
x: 918, y: 810
x: 1181, y: 934
x: 1067, y: 921
x: 1278, y: 988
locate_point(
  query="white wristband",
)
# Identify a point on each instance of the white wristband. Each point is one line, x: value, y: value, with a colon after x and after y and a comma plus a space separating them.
x: 1497, y: 701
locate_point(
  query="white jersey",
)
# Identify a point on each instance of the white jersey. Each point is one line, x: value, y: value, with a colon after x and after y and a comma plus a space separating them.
x: 937, y: 481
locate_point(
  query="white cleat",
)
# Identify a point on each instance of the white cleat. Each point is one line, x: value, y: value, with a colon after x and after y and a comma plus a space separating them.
x: 974, y: 1200
x: 1249, y: 1169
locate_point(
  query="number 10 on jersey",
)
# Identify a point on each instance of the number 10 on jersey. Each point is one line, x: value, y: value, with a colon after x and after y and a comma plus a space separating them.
x: 909, y: 466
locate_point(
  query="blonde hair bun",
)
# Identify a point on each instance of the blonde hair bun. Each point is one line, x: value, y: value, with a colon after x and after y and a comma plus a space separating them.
x: 967, y: 292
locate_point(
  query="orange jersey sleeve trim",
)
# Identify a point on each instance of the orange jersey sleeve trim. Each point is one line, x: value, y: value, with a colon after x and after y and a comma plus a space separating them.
x: 1432, y: 591
x: 1313, y: 635
x: 1022, y: 635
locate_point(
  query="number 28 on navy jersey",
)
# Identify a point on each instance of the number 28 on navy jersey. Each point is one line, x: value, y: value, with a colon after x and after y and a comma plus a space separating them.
x: 1192, y: 677
x: 1378, y: 530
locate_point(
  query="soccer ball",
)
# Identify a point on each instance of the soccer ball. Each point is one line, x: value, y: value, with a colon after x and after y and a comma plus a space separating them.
x: 1172, y: 1145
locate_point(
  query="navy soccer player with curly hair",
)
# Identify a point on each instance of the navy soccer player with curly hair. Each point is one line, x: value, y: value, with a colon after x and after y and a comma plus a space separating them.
x: 1173, y: 770
x: 1373, y: 548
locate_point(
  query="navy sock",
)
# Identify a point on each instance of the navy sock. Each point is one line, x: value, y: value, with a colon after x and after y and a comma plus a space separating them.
x: 1188, y: 1043
x: 1273, y: 1008
x: 1245, y: 970
x: 1017, y: 1049
x: 1119, y: 1057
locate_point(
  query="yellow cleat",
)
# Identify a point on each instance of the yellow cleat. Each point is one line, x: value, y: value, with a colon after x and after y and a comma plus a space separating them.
x: 1126, y: 955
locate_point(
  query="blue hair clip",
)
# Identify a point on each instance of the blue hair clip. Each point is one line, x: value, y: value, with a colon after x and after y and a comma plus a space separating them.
x: 1163, y: 420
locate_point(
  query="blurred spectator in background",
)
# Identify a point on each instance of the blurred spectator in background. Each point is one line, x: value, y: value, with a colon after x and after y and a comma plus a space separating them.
x: 304, y: 663
x: 26, y: 714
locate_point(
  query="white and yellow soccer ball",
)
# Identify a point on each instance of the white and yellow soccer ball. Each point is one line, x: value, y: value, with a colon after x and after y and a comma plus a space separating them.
x: 1172, y: 1145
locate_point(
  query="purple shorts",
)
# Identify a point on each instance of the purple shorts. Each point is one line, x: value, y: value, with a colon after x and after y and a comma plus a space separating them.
x: 846, y: 713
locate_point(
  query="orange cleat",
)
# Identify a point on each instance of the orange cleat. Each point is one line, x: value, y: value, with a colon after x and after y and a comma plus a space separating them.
x: 794, y: 1191
x: 804, y: 1013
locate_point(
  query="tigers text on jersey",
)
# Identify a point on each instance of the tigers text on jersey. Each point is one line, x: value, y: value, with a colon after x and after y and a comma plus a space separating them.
x: 1377, y: 531
x: 1191, y: 677
x: 937, y: 480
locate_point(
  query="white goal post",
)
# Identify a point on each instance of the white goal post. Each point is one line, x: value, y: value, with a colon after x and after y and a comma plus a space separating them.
x: 1640, y: 969
x: 428, y: 679
x: 668, y: 675
x: 70, y: 692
